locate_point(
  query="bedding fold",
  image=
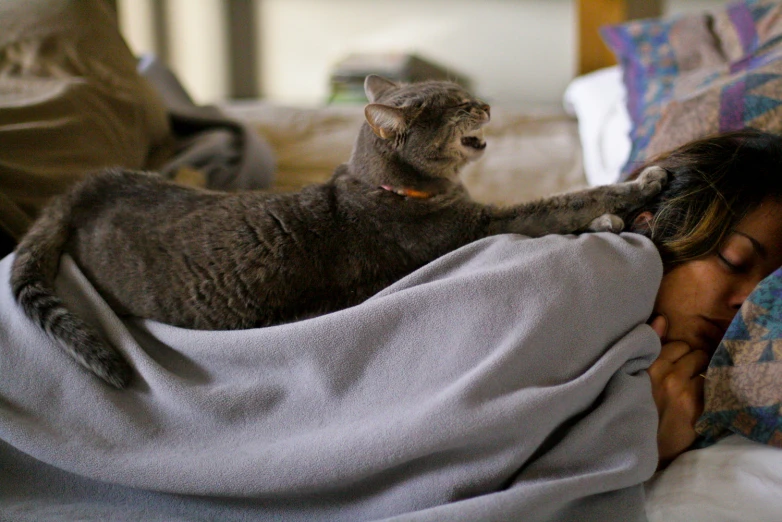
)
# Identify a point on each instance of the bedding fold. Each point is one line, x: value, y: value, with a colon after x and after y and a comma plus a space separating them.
x: 506, y: 379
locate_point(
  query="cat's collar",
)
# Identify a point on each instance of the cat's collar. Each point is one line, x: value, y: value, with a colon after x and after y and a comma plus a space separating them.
x: 408, y: 192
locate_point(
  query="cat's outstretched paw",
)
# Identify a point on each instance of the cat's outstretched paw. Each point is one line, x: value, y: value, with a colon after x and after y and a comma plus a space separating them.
x: 652, y: 179
x: 607, y: 223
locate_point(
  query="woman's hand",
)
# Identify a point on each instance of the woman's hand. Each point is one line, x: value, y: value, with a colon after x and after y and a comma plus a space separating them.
x: 677, y: 388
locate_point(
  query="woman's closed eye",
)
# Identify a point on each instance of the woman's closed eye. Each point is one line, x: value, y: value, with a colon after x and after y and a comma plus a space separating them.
x: 731, y: 266
x: 737, y: 253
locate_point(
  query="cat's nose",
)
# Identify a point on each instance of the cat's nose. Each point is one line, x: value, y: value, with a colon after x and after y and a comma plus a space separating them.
x: 486, y: 111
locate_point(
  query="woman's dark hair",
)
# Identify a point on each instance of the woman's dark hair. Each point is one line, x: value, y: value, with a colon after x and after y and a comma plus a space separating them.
x: 712, y: 184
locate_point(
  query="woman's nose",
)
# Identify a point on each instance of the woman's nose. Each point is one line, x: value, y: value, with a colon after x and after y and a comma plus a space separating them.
x: 741, y: 292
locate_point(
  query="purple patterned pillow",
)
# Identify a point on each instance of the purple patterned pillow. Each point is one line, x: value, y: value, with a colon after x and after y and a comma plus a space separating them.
x: 695, y: 75
x: 743, y: 390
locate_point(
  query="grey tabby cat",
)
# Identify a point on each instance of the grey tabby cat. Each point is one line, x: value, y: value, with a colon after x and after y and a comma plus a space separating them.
x: 213, y: 260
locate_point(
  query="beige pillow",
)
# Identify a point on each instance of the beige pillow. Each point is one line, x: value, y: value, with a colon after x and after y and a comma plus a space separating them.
x: 71, y: 102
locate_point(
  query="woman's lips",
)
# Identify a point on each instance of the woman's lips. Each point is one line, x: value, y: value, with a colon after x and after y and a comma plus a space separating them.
x: 715, y: 329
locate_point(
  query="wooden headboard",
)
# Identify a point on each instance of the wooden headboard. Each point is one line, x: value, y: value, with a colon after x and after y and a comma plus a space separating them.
x: 592, y: 53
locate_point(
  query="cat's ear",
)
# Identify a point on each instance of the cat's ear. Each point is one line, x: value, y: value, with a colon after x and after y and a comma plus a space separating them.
x: 375, y: 86
x: 385, y: 121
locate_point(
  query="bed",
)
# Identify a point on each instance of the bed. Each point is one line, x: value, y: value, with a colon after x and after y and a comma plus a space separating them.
x: 658, y: 83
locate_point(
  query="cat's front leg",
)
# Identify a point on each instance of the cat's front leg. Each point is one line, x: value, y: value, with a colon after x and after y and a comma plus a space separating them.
x: 650, y: 182
x: 626, y: 195
x: 596, y: 209
x: 606, y: 223
x: 652, y: 179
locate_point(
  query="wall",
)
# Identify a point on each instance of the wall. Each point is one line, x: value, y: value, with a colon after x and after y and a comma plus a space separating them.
x: 519, y: 52
x: 195, y: 43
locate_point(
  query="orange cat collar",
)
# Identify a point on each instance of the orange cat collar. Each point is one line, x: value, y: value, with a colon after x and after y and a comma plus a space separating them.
x: 407, y: 192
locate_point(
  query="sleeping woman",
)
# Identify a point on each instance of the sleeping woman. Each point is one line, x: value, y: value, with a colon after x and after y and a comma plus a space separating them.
x: 508, y: 378
x: 718, y: 227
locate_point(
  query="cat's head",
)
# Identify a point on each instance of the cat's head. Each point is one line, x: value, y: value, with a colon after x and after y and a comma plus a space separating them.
x: 437, y: 127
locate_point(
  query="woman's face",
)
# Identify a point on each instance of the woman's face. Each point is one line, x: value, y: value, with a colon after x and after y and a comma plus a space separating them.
x: 699, y: 298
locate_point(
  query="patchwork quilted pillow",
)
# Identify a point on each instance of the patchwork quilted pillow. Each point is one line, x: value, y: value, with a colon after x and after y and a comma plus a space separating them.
x: 699, y: 74
x: 743, y: 388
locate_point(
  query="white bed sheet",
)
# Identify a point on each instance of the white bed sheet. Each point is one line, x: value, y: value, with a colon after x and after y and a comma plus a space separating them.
x: 734, y: 480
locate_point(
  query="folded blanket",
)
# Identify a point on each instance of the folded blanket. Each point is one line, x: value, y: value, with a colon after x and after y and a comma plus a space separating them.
x: 228, y: 153
x: 505, y: 380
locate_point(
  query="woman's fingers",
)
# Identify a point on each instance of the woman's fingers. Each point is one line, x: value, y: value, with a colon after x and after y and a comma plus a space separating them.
x: 660, y: 326
x: 673, y: 351
x: 679, y: 359
x: 691, y: 364
x: 677, y: 390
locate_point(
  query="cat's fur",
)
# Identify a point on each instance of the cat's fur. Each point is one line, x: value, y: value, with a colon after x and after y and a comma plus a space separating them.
x: 213, y: 260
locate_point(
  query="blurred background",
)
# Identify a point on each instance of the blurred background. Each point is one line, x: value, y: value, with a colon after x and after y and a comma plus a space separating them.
x: 512, y: 52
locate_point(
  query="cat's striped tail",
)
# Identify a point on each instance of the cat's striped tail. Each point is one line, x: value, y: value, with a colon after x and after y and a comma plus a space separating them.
x: 32, y: 280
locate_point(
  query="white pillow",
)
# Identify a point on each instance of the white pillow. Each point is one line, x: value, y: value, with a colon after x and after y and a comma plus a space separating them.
x: 598, y: 101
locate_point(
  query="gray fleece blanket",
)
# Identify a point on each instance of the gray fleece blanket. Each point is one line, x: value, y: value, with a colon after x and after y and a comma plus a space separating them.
x: 504, y: 381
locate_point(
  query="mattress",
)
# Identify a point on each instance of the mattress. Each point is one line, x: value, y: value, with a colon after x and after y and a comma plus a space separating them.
x: 531, y: 153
